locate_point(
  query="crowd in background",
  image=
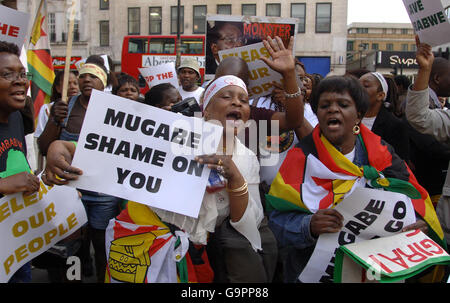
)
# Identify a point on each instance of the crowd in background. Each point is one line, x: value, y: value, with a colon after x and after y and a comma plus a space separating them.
x: 244, y: 243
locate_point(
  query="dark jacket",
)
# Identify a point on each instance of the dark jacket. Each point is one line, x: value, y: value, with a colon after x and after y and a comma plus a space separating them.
x: 393, y: 131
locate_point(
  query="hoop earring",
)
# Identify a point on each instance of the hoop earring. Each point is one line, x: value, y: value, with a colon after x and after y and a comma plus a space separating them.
x: 356, y: 129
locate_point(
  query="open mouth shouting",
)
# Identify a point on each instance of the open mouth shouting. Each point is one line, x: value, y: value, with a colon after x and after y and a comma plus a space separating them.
x: 234, y: 115
x: 334, y: 123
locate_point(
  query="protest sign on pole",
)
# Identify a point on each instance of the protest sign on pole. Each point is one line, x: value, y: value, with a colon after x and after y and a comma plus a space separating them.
x: 429, y: 20
x: 389, y: 259
x: 229, y: 32
x: 164, y: 73
x: 30, y: 225
x: 13, y: 26
x: 145, y: 154
x: 368, y: 213
x: 261, y: 76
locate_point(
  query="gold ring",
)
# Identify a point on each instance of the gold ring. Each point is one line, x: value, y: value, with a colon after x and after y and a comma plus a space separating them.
x: 219, y: 162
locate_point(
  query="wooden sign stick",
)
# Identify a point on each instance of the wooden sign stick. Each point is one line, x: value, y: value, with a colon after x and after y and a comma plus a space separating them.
x: 69, y: 52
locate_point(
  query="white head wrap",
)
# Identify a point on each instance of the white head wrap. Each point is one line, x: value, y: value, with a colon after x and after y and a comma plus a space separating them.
x: 383, y: 82
x: 220, y: 83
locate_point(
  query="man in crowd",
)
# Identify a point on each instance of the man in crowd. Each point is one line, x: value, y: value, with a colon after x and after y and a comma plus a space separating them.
x: 189, y: 76
x: 224, y: 35
x: 433, y: 78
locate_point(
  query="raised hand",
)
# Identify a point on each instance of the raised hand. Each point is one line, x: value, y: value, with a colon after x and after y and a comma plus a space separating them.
x: 424, y: 54
x: 282, y: 59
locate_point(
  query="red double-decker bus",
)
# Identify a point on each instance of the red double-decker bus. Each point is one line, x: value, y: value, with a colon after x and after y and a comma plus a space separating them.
x: 147, y: 51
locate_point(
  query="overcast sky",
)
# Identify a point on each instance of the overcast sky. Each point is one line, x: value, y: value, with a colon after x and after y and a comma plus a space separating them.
x: 377, y: 11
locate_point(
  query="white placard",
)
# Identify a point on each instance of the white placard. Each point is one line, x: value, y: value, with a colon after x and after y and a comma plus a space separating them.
x: 164, y: 73
x: 30, y: 225
x: 429, y: 21
x: 392, y: 257
x: 155, y: 60
x: 261, y: 75
x: 145, y: 154
x: 13, y: 26
x: 368, y: 213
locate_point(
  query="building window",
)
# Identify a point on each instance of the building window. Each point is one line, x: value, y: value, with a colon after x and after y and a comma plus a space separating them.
x: 273, y: 9
x: 362, y: 30
x: 104, y: 33
x: 413, y: 47
x: 155, y: 19
x: 76, y: 31
x: 199, y: 22
x: 52, y: 26
x: 375, y: 46
x: 350, y: 45
x: 173, y: 19
x: 405, y: 47
x: 389, y: 46
x: 134, y: 20
x: 248, y: 9
x: 404, y: 31
x: 224, y: 9
x: 298, y: 10
x: 323, y: 17
x: 104, y: 4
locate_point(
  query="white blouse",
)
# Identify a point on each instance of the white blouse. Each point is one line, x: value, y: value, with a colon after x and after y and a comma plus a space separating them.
x: 215, y: 206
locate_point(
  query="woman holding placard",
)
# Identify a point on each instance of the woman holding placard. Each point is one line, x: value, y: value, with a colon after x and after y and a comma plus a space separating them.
x: 231, y: 206
x: 66, y: 123
x: 340, y: 155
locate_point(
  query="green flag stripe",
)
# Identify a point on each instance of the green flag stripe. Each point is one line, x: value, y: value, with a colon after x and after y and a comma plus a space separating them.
x: 273, y: 202
x: 40, y: 81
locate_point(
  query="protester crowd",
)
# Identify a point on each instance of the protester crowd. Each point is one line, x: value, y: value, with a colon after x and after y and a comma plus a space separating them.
x: 395, y: 128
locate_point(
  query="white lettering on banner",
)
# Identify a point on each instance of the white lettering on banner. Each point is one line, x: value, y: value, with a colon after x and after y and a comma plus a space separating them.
x: 394, y: 59
x: 154, y: 60
x: 144, y: 154
x: 382, y: 214
x: 32, y: 224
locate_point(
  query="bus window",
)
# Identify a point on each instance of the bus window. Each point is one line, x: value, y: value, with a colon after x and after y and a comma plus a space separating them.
x: 138, y: 46
x: 192, y: 46
x: 162, y: 46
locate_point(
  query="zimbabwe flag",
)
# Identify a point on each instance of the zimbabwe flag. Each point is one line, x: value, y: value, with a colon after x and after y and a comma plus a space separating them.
x: 40, y: 63
x: 140, y: 248
x: 315, y: 175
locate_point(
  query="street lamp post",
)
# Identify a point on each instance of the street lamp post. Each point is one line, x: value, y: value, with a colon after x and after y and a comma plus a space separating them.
x: 361, y: 48
x: 178, y: 58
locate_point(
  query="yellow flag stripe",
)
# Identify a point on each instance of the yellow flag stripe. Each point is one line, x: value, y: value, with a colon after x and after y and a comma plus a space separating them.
x: 285, y: 191
x: 40, y: 66
x: 340, y: 159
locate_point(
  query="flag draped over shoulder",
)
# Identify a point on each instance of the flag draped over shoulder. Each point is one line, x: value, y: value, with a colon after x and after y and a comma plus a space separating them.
x: 40, y: 63
x: 141, y: 248
x: 315, y: 175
